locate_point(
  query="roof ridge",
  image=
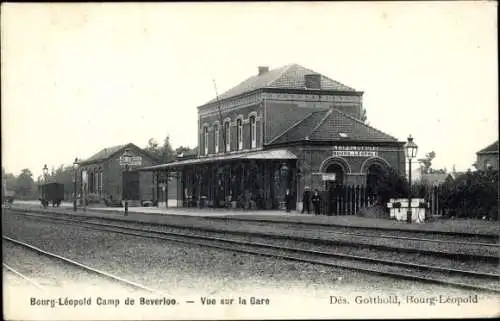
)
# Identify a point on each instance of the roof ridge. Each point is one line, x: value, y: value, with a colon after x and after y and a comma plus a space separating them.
x: 337, y: 82
x: 285, y: 69
x: 362, y: 123
x: 321, y: 122
x: 293, y: 126
x: 487, y: 148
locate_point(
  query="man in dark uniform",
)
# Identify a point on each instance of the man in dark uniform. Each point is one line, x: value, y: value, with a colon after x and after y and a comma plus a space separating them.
x: 306, y: 199
x: 288, y: 200
x: 316, y: 200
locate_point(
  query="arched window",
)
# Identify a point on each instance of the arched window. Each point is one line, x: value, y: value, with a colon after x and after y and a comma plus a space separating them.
x: 216, y: 139
x: 253, y: 132
x: 227, y: 130
x: 239, y: 134
x: 205, y: 139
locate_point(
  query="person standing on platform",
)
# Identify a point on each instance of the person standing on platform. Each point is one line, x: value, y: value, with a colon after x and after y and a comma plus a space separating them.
x: 316, y: 200
x: 306, y: 200
x: 288, y: 200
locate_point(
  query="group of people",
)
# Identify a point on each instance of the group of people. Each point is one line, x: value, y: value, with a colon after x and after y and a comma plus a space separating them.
x: 307, y: 199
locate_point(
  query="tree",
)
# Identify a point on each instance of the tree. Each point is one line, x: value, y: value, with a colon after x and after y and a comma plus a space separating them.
x: 167, y: 152
x: 25, y: 186
x: 153, y: 148
x: 181, y: 150
x: 426, y: 162
x: 64, y: 175
x: 9, y: 179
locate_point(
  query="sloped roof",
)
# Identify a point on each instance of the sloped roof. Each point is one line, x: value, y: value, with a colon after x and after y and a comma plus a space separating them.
x: 287, y: 77
x: 103, y: 153
x: 332, y: 125
x: 108, y: 152
x: 266, y: 154
x: 493, y: 148
x: 435, y: 179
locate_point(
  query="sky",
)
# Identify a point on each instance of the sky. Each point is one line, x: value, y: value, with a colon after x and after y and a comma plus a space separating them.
x: 77, y: 78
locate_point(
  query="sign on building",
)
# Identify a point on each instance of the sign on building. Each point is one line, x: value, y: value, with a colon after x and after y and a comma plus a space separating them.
x: 328, y: 176
x: 134, y: 161
x: 355, y: 151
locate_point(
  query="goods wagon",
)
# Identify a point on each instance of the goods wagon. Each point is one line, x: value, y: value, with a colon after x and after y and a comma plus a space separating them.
x: 51, y: 193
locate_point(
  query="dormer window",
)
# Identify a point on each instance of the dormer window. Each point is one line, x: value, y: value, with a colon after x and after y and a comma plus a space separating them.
x: 216, y: 139
x: 253, y: 132
x: 239, y: 133
x: 205, y: 139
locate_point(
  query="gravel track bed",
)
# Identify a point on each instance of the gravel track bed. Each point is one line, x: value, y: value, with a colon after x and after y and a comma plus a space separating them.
x: 54, y: 274
x: 328, y: 235
x: 488, y: 283
x: 353, y: 229
x: 443, y: 262
x: 390, y: 228
x: 470, y: 265
x: 14, y: 280
x: 238, y: 226
x: 183, y: 269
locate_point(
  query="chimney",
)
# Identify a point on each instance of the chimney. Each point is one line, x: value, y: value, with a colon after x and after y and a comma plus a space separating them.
x: 312, y: 81
x: 263, y: 70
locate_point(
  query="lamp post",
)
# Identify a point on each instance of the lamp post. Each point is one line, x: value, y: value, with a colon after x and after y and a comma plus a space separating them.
x: 75, y: 167
x: 411, y: 152
x: 44, y: 194
x: 126, y: 160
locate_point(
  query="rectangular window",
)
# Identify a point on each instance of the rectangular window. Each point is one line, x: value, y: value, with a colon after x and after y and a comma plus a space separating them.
x: 253, y: 132
x: 216, y: 139
x: 228, y: 136
x: 239, y: 134
x: 205, y: 139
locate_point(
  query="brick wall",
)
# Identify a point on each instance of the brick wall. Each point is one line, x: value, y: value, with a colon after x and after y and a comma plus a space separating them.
x: 246, y: 112
x: 281, y: 116
x: 112, y: 174
x: 310, y: 159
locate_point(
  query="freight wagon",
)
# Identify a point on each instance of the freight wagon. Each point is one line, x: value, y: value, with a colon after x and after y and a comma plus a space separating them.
x: 51, y: 193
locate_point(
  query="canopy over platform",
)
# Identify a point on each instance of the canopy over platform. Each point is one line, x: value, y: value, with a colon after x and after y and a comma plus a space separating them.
x: 276, y: 154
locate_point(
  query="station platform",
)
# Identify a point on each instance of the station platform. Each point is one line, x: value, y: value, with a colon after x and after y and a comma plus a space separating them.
x: 158, y: 215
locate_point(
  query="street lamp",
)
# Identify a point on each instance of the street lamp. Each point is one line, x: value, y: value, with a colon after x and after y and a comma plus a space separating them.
x: 126, y: 160
x: 45, y: 173
x: 411, y: 152
x: 75, y: 167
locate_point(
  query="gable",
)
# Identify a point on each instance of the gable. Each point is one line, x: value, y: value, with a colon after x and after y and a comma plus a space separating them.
x: 109, y: 152
x: 332, y: 125
x: 491, y: 149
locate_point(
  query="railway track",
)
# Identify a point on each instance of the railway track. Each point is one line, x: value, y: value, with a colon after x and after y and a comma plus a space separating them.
x: 22, y: 276
x: 400, y: 233
x: 468, y: 279
x: 445, y: 249
x: 101, y: 274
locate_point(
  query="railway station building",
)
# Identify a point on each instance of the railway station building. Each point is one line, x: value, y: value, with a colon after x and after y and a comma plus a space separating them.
x: 102, y: 175
x: 282, y: 129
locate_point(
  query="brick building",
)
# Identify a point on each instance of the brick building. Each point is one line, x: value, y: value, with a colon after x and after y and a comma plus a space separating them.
x: 488, y: 157
x: 105, y: 174
x: 281, y: 129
